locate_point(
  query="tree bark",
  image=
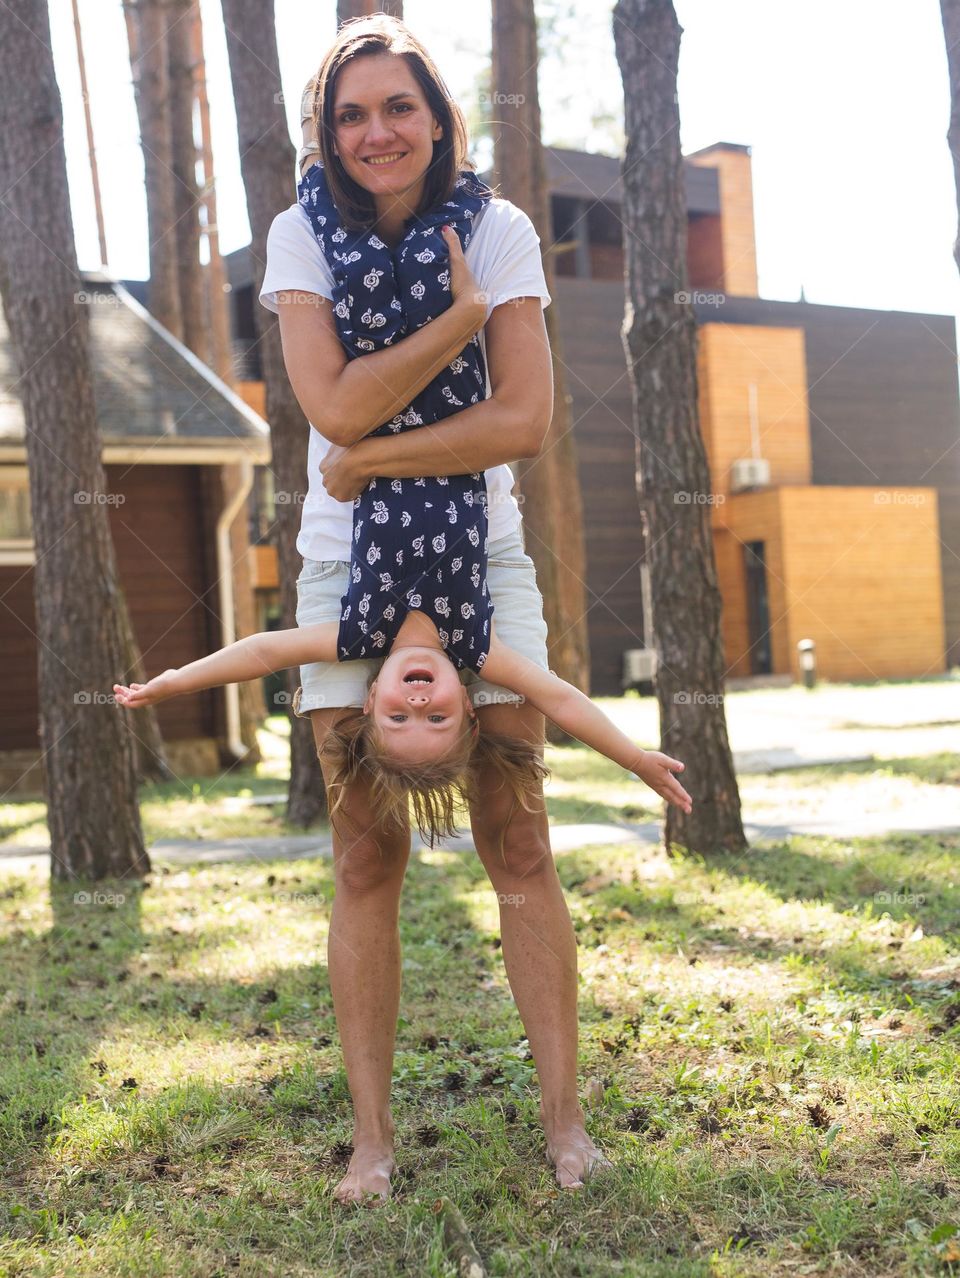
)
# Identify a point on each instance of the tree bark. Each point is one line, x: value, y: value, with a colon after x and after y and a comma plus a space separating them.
x: 550, y: 482
x: 267, y: 163
x: 150, y: 754
x: 364, y: 8
x: 252, y: 708
x: 147, y: 22
x: 215, y: 276
x: 660, y: 343
x: 950, y: 12
x: 87, y: 747
x: 91, y: 148
x: 186, y: 191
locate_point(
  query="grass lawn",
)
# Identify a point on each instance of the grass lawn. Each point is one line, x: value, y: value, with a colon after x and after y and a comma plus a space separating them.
x: 772, y: 1041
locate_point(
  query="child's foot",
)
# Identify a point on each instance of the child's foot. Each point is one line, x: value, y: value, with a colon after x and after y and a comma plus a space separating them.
x: 368, y: 1176
x: 574, y: 1156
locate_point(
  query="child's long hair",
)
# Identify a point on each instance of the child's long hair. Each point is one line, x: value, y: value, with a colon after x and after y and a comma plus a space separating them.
x: 435, y: 788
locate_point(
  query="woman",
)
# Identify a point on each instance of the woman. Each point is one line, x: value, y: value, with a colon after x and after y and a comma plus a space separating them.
x: 392, y: 141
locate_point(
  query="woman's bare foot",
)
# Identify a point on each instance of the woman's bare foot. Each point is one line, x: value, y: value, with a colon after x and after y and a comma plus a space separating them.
x: 368, y: 1173
x: 573, y: 1155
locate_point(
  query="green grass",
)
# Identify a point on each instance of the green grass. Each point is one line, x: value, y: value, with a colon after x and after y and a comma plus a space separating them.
x: 774, y: 1037
x: 777, y: 1051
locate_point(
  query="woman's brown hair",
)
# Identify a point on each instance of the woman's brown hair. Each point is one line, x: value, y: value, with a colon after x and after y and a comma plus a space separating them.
x: 366, y: 37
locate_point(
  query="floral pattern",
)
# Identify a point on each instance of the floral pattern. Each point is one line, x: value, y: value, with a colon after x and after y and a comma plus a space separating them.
x: 418, y: 543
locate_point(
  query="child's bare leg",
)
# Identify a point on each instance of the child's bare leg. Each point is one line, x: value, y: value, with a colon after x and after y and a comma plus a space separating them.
x: 539, y: 949
x: 363, y: 958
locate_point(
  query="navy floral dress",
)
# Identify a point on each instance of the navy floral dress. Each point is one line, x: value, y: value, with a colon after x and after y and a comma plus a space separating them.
x: 418, y: 544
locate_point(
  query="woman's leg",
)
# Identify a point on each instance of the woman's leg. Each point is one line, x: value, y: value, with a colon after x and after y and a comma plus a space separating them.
x: 539, y: 947
x: 363, y: 958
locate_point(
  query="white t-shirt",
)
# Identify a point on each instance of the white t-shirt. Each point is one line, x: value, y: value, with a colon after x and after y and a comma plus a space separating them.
x: 504, y: 257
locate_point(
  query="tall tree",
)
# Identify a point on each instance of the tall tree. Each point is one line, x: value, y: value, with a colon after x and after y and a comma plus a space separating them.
x: 187, y: 198
x: 364, y: 8
x: 215, y: 277
x: 550, y: 482
x: 950, y: 13
x: 267, y: 164
x: 147, y: 35
x: 91, y: 149
x: 660, y: 343
x: 151, y: 758
x: 88, y: 750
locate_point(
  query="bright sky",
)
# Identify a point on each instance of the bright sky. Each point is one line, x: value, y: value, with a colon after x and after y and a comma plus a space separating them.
x: 845, y: 105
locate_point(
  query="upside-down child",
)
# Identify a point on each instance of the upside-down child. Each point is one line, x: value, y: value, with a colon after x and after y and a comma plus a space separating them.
x: 417, y: 710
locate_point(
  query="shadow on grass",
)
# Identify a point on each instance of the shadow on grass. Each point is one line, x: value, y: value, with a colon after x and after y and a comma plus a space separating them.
x: 879, y: 874
x: 786, y: 876
x: 83, y: 1142
x: 96, y: 932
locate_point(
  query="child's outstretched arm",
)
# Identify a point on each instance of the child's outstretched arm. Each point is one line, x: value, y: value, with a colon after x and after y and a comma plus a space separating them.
x: 569, y: 709
x: 249, y: 658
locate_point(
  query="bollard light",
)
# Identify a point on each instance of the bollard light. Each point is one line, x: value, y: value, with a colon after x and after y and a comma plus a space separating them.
x: 807, y: 649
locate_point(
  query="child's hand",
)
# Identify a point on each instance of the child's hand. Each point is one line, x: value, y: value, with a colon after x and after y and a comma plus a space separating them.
x: 137, y: 695
x: 464, y: 287
x: 657, y: 771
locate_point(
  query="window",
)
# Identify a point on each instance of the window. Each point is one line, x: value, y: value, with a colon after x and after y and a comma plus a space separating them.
x: 16, y: 528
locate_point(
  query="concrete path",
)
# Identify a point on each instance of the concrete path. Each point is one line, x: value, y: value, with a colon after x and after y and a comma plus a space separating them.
x: 776, y: 729
x: 563, y: 838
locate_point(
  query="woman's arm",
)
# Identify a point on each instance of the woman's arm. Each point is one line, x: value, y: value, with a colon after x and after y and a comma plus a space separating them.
x: 249, y: 658
x: 346, y: 399
x: 569, y: 709
x: 511, y: 424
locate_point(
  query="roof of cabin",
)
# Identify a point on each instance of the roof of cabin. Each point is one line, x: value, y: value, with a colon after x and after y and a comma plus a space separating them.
x: 148, y: 386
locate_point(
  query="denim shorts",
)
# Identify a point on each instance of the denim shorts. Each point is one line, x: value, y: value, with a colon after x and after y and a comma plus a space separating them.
x: 518, y: 619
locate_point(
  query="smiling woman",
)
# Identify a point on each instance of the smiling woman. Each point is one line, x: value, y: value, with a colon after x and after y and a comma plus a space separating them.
x: 380, y: 108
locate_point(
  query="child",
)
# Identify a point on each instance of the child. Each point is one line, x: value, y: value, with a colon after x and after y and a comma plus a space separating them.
x: 417, y: 711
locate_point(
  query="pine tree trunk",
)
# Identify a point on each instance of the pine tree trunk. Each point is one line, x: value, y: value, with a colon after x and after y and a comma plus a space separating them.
x: 91, y: 148
x: 215, y: 276
x: 950, y: 12
x: 147, y: 22
x: 186, y: 191
x: 150, y: 754
x: 252, y: 709
x: 660, y: 343
x: 267, y: 162
x: 364, y: 8
x: 87, y: 747
x: 550, y: 482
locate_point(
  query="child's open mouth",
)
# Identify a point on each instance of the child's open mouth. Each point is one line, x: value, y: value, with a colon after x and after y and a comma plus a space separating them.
x: 418, y: 678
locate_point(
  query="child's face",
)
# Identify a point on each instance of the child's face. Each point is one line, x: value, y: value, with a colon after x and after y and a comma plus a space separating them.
x: 418, y: 704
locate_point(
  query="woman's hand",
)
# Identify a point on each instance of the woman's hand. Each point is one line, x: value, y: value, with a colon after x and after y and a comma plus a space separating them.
x: 344, y: 476
x: 465, y: 289
x: 137, y: 695
x: 657, y: 771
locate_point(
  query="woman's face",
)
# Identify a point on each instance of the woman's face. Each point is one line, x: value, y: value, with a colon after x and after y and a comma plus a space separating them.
x: 418, y: 704
x: 380, y: 114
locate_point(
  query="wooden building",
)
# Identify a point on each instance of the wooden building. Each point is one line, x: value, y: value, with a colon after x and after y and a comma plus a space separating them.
x: 179, y: 449
x: 831, y: 434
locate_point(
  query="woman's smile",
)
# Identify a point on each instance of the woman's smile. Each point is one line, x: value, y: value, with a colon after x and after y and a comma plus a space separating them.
x: 384, y: 161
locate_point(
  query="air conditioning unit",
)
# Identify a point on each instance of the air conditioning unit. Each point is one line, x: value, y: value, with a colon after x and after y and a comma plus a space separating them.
x: 749, y: 472
x: 639, y: 666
